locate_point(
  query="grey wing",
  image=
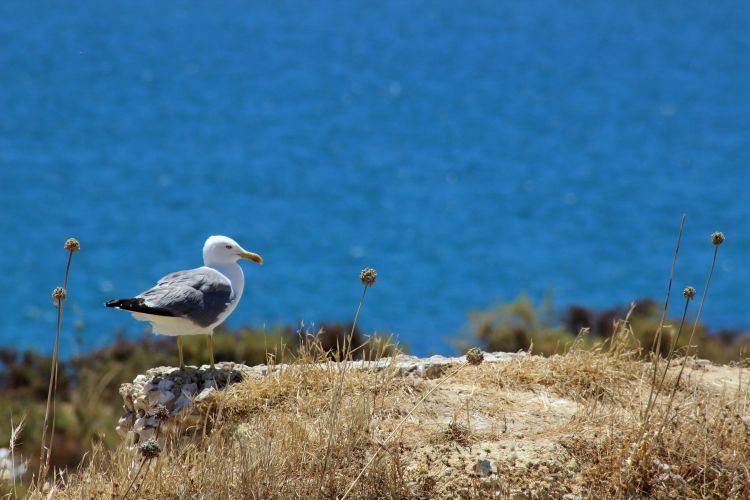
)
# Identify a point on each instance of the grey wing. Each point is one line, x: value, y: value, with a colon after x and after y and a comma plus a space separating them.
x: 200, y: 295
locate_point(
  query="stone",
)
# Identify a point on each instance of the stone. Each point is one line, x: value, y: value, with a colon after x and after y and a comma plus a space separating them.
x: 181, y: 404
x: 190, y: 389
x: 166, y: 397
x: 146, y: 434
x: 204, y: 394
x: 154, y: 398
x: 165, y: 385
x: 141, y: 402
x: 139, y: 424
x: 178, y: 390
x: 485, y: 467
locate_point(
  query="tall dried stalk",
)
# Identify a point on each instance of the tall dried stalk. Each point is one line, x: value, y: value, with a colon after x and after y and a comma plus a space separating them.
x: 718, y: 239
x: 368, y: 277
x: 656, y: 344
x: 688, y: 297
x: 59, y: 296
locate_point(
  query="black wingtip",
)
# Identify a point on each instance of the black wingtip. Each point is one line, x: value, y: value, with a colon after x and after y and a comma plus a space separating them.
x: 137, y: 305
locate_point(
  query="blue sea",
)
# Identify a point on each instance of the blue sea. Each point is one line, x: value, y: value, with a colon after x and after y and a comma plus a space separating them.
x: 469, y: 151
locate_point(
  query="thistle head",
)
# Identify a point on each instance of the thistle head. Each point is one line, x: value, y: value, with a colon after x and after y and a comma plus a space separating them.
x: 688, y: 292
x: 717, y: 238
x: 72, y: 245
x: 368, y: 276
x: 160, y: 414
x: 59, y: 295
x: 474, y: 356
x: 150, y: 449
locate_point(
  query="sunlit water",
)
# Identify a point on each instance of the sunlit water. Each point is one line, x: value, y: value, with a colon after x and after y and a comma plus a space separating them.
x: 468, y: 151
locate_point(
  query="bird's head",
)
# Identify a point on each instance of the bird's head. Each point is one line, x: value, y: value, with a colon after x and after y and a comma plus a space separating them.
x: 224, y: 250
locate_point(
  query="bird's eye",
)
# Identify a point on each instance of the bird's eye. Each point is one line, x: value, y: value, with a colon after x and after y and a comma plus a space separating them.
x: 229, y: 247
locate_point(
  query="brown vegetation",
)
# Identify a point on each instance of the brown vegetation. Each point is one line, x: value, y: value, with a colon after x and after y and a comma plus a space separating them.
x: 625, y: 414
x: 569, y: 423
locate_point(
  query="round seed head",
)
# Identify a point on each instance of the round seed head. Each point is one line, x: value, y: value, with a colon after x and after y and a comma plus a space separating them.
x: 160, y: 414
x: 368, y: 276
x: 72, y: 245
x: 474, y: 356
x: 688, y: 292
x: 150, y: 449
x: 58, y: 295
x: 717, y: 238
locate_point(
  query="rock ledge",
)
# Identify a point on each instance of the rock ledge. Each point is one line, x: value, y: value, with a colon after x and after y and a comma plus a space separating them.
x: 178, y: 390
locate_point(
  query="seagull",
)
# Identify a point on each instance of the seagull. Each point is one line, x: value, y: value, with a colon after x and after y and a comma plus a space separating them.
x: 196, y: 301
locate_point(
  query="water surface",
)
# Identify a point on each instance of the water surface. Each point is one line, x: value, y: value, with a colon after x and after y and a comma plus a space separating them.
x: 467, y: 151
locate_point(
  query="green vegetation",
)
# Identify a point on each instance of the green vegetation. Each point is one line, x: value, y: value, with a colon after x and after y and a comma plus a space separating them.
x: 88, y: 402
x: 580, y: 418
x: 318, y: 431
x: 522, y: 326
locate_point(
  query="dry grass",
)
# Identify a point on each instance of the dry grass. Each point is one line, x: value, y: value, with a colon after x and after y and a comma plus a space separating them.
x: 596, y: 421
x: 569, y: 423
x: 271, y: 442
x: 704, y: 450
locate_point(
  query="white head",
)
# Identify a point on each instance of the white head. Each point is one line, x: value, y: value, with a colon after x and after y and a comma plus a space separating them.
x: 224, y: 250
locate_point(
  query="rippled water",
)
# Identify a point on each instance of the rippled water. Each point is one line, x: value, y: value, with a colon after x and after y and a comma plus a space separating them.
x: 467, y: 151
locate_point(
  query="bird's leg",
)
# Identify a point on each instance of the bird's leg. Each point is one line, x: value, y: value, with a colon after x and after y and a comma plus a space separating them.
x: 179, y: 350
x: 211, y: 349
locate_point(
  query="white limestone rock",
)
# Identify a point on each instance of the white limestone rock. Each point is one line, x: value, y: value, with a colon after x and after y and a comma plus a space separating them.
x: 177, y: 390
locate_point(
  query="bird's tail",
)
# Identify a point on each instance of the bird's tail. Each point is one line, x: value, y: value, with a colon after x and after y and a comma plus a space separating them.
x: 137, y: 305
x: 117, y: 303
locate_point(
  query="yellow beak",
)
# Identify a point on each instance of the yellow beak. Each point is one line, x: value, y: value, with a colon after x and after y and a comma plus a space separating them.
x: 252, y: 256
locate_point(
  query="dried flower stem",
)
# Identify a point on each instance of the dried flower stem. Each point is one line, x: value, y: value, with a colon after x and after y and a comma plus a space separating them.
x: 672, y: 349
x: 348, y: 341
x: 656, y: 345
x: 670, y: 402
x: 368, y: 278
x: 149, y: 450
x: 697, y: 321
x: 132, y: 482
x: 46, y: 449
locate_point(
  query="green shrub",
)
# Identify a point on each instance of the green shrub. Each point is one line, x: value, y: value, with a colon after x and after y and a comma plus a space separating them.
x: 521, y: 325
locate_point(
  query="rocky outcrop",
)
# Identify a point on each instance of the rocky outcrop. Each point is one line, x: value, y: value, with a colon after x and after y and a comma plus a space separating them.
x: 164, y: 398
x: 174, y: 389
